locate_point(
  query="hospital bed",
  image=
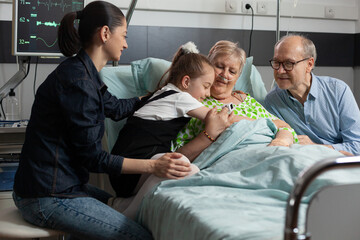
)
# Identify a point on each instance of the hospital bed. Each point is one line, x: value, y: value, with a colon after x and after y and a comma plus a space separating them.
x: 243, y: 187
x: 333, y: 212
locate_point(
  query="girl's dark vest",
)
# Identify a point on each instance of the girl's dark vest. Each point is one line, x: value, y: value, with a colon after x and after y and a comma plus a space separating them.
x: 142, y: 139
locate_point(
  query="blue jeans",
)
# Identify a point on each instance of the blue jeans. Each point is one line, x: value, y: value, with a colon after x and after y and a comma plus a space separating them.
x: 82, y: 217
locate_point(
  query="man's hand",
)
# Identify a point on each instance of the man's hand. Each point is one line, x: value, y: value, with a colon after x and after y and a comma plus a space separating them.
x: 305, y: 140
x: 346, y: 153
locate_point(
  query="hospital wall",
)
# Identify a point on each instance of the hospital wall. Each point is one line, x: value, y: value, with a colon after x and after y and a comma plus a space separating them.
x: 154, y: 33
x: 357, y: 57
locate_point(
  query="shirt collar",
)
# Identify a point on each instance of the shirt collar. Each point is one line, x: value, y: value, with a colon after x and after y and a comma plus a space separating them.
x: 314, y: 88
x: 90, y: 68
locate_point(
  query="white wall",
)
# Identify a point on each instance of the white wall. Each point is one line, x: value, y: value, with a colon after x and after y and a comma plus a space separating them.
x: 357, y: 84
x: 357, y: 69
x: 358, y: 21
x: 305, y: 16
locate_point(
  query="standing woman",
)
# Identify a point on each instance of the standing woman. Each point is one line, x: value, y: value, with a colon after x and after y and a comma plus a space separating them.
x: 63, y: 137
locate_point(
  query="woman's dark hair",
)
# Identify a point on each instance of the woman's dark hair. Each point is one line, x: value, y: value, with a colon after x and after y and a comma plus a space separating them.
x: 93, y: 17
x: 185, y: 63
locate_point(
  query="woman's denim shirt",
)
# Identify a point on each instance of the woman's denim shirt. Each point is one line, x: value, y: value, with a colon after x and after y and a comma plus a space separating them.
x: 63, y: 137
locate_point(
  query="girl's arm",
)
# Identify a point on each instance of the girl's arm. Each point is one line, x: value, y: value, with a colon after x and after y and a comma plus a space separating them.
x: 201, y: 112
x: 215, y: 124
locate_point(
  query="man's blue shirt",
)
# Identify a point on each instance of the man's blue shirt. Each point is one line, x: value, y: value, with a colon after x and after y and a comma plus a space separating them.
x: 330, y: 114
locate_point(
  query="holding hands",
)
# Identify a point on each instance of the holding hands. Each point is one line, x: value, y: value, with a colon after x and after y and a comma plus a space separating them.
x: 171, y: 165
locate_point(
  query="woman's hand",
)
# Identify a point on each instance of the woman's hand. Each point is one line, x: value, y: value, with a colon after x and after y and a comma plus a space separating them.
x: 279, y: 142
x: 170, y: 166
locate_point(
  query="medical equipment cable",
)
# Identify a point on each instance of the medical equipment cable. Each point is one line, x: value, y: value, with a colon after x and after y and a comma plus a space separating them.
x: 2, y: 109
x: 36, y: 65
x: 27, y: 73
x: 248, y: 6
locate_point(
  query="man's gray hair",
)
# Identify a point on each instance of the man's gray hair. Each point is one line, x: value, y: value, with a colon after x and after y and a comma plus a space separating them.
x: 307, y: 44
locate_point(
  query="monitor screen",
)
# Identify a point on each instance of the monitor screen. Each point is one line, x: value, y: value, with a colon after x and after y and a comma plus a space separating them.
x: 35, y: 25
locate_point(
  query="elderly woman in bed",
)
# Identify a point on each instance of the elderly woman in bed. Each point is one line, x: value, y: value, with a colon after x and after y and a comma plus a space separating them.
x: 228, y: 60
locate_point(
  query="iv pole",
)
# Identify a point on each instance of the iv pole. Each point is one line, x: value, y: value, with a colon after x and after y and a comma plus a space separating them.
x: 277, y: 31
x: 278, y: 21
x: 128, y: 18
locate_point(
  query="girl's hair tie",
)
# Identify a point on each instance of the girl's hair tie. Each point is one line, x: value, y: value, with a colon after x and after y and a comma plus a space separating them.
x: 189, y: 47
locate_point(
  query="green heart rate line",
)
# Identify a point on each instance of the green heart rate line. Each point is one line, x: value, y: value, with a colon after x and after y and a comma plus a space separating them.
x: 62, y: 4
x: 26, y: 42
x: 48, y: 24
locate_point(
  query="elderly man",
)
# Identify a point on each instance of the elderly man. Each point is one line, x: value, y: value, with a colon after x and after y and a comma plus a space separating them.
x: 322, y: 108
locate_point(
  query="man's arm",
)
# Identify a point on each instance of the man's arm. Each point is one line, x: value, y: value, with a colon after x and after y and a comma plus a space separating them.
x: 349, y: 119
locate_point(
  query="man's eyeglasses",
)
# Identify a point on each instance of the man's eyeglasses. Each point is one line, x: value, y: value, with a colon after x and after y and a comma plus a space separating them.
x: 287, y: 65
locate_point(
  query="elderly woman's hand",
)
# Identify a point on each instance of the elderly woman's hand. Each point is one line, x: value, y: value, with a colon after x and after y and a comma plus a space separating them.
x: 217, y: 122
x: 283, y: 138
x: 279, y: 142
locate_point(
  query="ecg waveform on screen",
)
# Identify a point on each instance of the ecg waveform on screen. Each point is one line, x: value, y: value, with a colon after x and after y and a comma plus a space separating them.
x: 48, y: 24
x: 48, y: 45
x: 62, y: 4
x: 27, y: 42
x: 38, y: 22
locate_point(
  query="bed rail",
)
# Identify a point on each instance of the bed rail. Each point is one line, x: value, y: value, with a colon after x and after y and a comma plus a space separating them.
x: 304, y: 180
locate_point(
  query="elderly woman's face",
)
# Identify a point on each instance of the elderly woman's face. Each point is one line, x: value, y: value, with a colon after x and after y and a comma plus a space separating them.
x: 225, y: 67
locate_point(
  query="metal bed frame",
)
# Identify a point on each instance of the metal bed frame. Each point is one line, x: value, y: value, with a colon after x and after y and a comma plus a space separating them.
x: 304, y: 180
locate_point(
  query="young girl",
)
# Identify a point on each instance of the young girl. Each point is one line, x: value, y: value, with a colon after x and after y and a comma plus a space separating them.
x: 152, y: 127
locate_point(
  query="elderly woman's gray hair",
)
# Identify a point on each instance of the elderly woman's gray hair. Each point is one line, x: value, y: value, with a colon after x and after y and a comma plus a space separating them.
x: 228, y: 48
